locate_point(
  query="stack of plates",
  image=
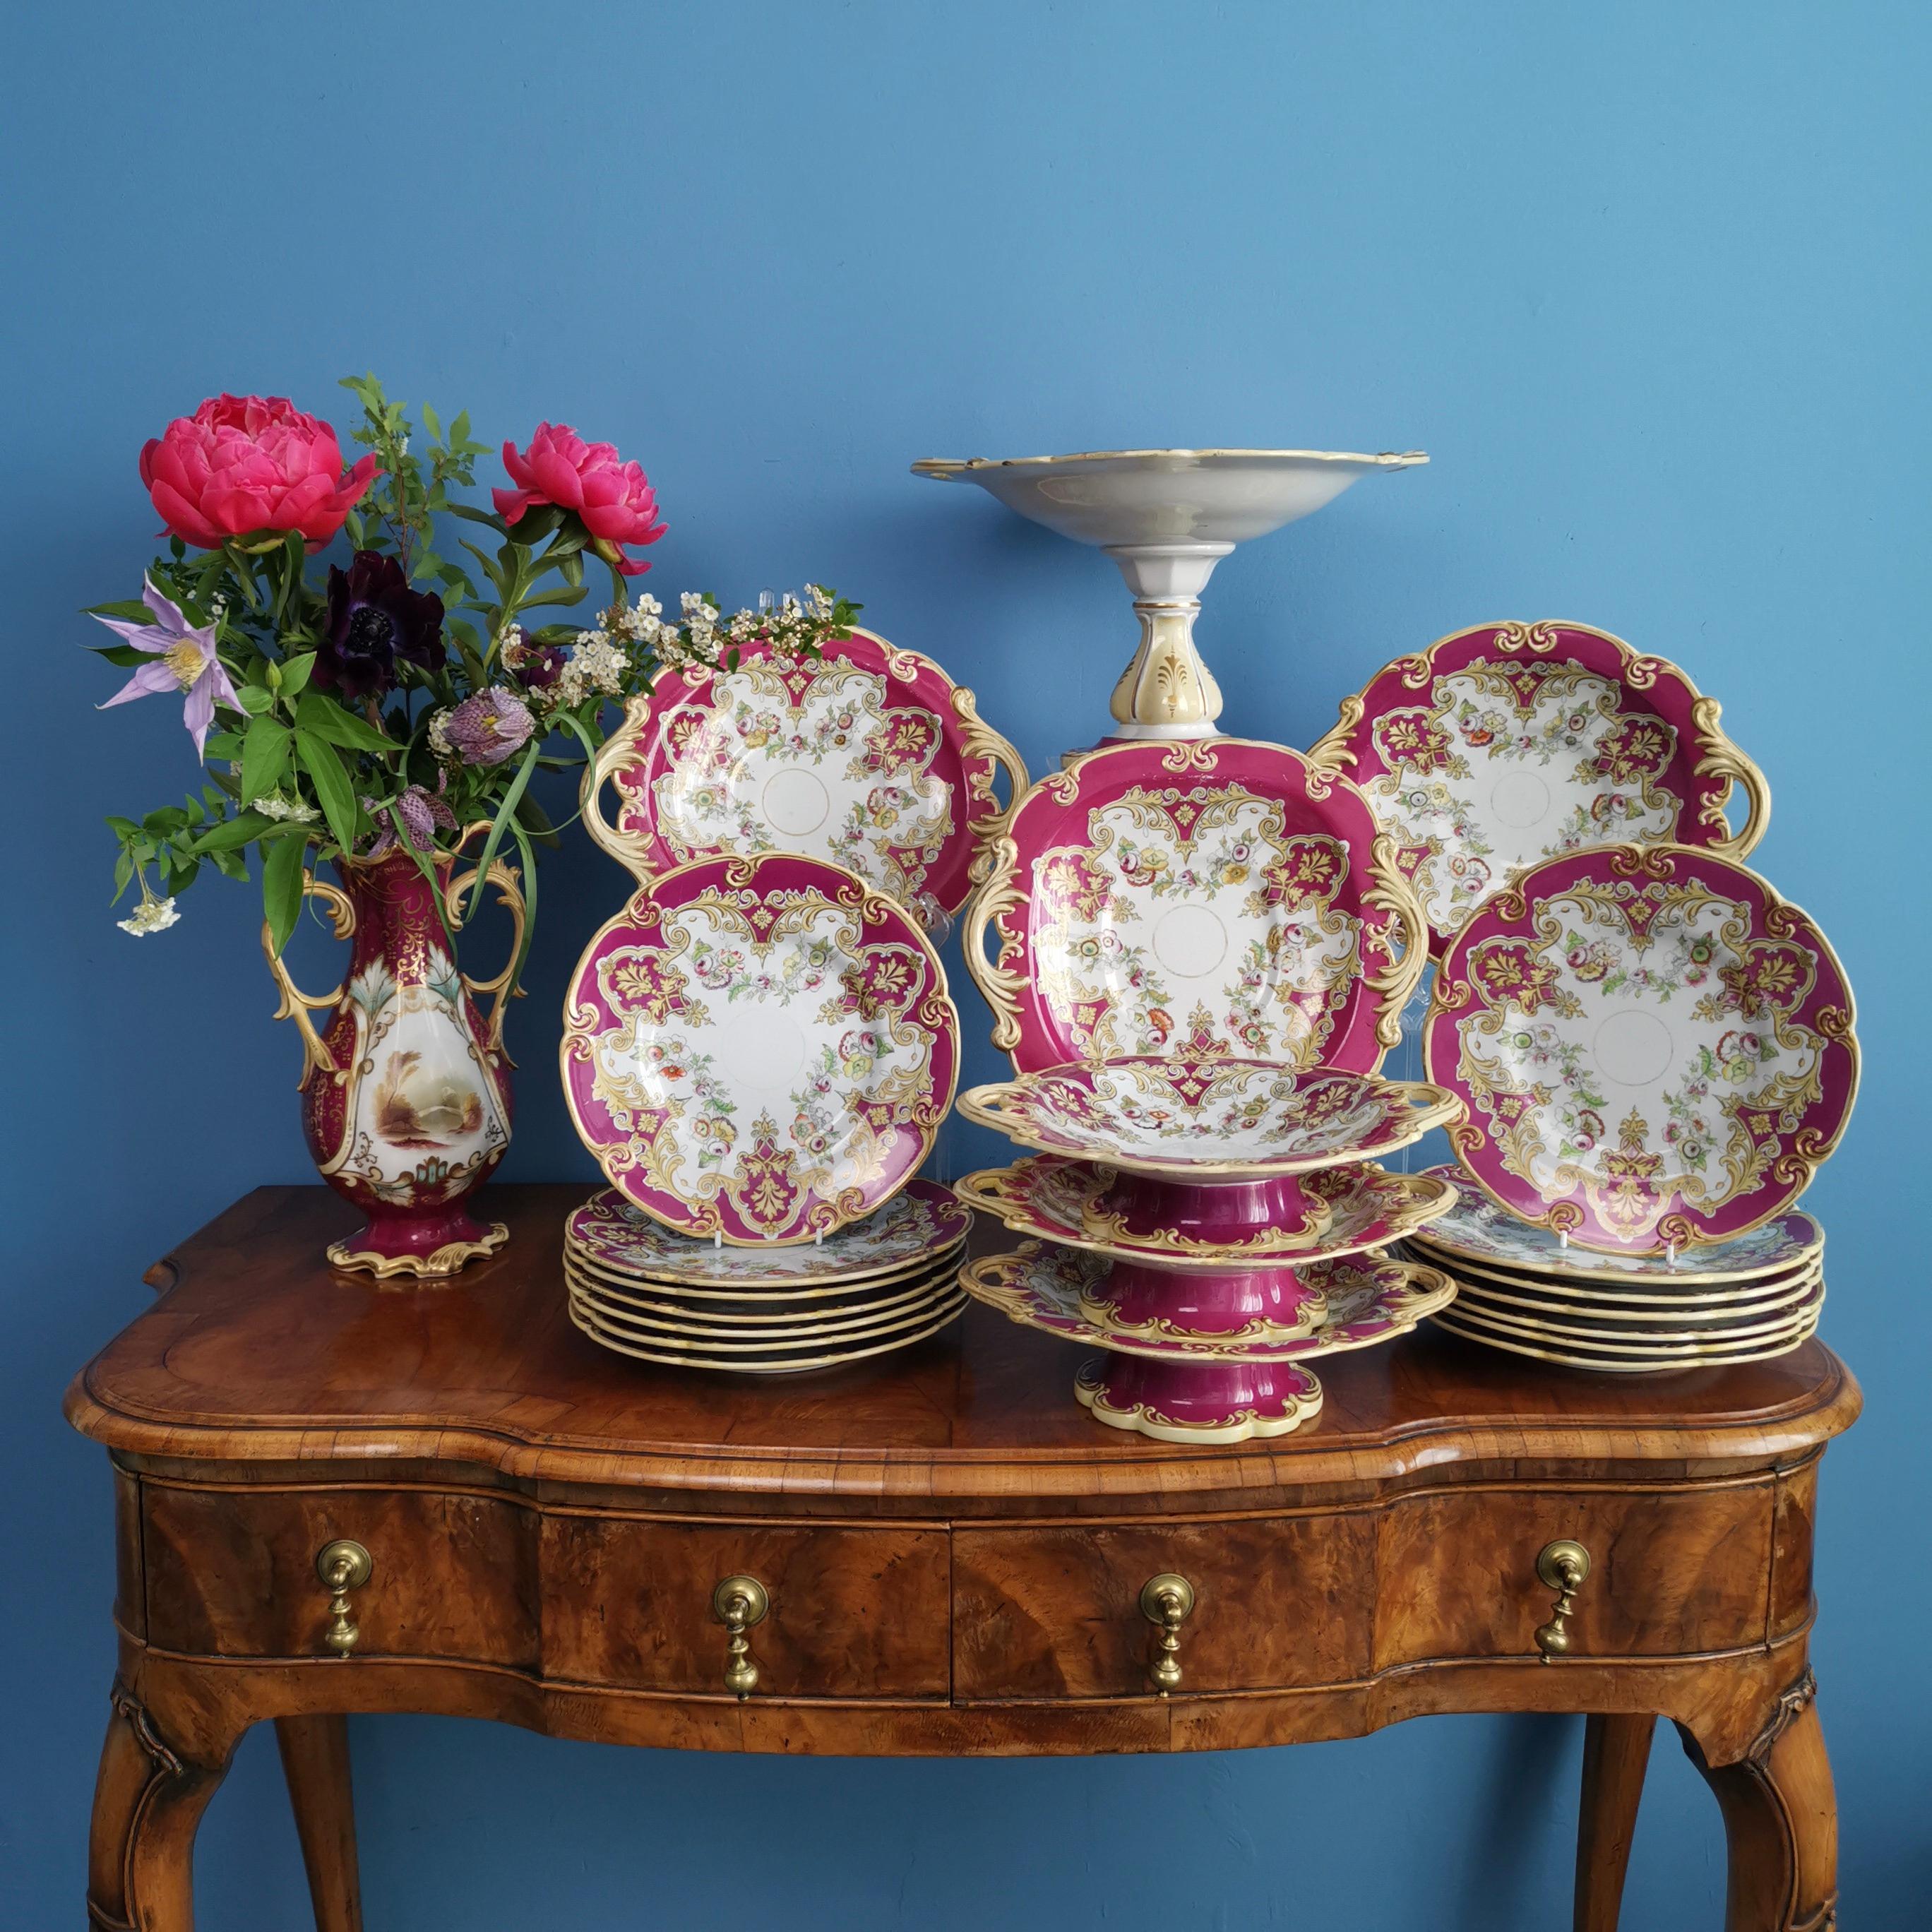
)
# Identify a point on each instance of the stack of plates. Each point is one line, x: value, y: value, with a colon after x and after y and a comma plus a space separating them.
x: 879, y: 1284
x: 1522, y: 1290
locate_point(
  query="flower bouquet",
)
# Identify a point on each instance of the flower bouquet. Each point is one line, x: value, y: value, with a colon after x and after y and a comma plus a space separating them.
x: 386, y: 713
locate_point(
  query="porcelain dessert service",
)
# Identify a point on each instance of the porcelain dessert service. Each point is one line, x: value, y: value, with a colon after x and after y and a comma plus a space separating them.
x: 1179, y: 1390
x: 645, y: 1290
x: 760, y: 1047
x: 1655, y: 1050
x: 1221, y: 896
x: 1167, y: 518
x: 1504, y: 745
x: 868, y: 756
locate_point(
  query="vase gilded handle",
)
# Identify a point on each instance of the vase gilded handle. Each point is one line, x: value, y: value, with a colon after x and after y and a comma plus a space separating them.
x: 458, y: 895
x: 295, y: 1004
x: 999, y: 895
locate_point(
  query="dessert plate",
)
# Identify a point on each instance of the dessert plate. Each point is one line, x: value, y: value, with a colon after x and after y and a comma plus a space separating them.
x: 868, y: 756
x: 1207, y: 896
x: 1798, y: 1321
x: 1507, y: 744
x: 612, y: 1237
x: 1040, y: 1286
x: 779, y: 1362
x: 1073, y: 1202
x: 1476, y: 1228
x: 759, y: 1049
x: 1193, y: 1118
x: 1656, y: 1051
x: 1613, y: 1323
x: 657, y: 1332
x: 755, y: 1317
x: 1587, y: 1294
x: 1698, y: 1355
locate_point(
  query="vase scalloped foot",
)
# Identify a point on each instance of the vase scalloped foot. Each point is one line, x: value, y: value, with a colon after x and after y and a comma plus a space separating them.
x: 429, y: 1244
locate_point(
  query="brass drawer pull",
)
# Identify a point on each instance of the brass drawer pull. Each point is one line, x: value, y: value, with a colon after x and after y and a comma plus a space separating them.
x: 738, y: 1603
x: 1167, y: 1601
x: 343, y: 1566
x: 1562, y: 1567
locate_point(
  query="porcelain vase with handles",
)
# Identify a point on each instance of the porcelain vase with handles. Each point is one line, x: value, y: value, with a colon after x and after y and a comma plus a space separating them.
x: 405, y: 1086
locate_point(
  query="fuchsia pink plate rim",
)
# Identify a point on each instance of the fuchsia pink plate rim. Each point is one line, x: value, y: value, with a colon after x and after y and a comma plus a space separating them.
x: 1699, y: 773
x: 1510, y: 961
x: 964, y: 758
x: 1355, y: 1025
x: 760, y: 1197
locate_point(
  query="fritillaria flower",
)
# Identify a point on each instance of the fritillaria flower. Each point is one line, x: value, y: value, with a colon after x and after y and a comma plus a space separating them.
x: 184, y: 661
x: 422, y: 812
x: 488, y: 728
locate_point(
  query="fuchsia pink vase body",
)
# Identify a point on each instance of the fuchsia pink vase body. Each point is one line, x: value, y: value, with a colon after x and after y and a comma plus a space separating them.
x: 406, y: 1087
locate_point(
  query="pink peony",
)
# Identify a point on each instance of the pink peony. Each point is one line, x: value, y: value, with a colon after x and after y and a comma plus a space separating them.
x: 613, y: 499
x: 241, y: 463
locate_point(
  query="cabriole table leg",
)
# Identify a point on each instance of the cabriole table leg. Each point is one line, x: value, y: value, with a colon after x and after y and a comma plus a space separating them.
x: 1780, y: 1821
x: 147, y: 1801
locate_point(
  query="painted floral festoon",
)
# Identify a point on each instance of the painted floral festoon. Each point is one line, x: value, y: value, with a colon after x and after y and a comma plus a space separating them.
x: 835, y: 1099
x: 1654, y: 1048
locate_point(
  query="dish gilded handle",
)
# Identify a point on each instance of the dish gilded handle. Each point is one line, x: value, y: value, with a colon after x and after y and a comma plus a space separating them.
x: 1392, y: 894
x: 987, y: 1106
x: 456, y: 896
x: 295, y: 1004
x: 981, y: 742
x: 1721, y: 759
x: 1430, y: 1105
x: 631, y: 850
x: 999, y: 894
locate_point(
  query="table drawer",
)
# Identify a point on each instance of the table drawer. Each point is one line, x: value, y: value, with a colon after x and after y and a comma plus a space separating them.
x: 852, y: 1613
x: 231, y: 1573
x: 1672, y: 1570
x: 1055, y: 1612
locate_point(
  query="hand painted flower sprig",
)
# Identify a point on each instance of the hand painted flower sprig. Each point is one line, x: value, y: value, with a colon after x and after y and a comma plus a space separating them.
x: 384, y: 713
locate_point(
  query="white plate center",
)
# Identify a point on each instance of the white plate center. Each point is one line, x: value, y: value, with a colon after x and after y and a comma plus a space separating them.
x: 796, y: 802
x: 1190, y: 942
x: 1633, y: 1049
x: 1520, y: 798
x: 761, y: 1049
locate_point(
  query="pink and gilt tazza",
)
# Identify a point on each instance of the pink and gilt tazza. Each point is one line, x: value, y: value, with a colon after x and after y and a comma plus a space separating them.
x: 868, y: 756
x: 1656, y: 1051
x: 1506, y: 744
x: 1207, y: 896
x: 760, y: 1050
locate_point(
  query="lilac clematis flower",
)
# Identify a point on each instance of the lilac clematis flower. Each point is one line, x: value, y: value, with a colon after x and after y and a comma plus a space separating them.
x: 184, y: 661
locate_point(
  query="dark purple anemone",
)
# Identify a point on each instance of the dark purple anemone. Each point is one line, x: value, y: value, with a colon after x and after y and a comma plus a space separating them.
x: 376, y: 621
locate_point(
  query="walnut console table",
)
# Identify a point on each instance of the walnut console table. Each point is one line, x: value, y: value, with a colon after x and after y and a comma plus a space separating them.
x: 335, y: 1496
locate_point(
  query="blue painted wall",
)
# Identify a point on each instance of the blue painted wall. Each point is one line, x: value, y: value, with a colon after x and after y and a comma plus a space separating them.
x: 1649, y: 281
